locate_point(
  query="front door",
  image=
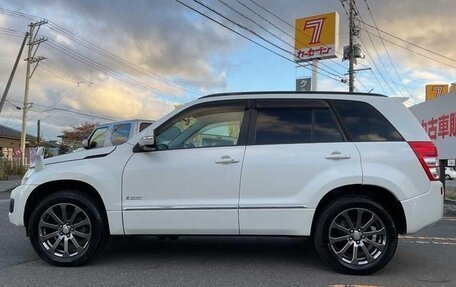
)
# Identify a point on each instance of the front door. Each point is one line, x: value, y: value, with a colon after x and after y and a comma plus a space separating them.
x: 190, y: 184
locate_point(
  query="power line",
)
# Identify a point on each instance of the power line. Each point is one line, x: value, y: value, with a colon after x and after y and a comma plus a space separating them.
x: 100, y: 67
x: 386, y: 50
x: 372, y: 59
x: 410, y: 43
x: 393, y: 88
x: 115, y: 58
x: 284, y: 21
x: 269, y: 32
x: 109, y: 55
x: 410, y: 50
x: 253, y: 32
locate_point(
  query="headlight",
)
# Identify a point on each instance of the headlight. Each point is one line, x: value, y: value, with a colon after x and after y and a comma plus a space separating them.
x: 27, y: 175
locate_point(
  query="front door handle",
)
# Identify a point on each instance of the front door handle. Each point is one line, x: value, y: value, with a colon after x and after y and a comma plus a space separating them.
x: 226, y: 160
x: 337, y: 155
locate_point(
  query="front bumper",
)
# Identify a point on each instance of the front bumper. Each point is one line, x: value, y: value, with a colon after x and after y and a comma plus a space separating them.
x: 19, y: 195
x: 424, y: 209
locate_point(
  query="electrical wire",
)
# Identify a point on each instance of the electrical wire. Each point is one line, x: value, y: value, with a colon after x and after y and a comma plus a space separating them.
x: 273, y: 34
x: 371, y: 58
x: 387, y: 52
x: 115, y: 58
x: 332, y: 76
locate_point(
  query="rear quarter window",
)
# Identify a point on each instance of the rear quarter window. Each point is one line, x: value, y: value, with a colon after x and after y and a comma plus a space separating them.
x: 363, y: 123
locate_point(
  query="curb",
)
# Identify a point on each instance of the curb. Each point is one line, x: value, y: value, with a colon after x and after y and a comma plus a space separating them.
x: 11, y: 189
x: 450, y: 201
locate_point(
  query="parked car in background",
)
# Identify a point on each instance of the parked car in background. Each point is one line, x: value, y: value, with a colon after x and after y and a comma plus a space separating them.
x: 450, y: 173
x: 115, y: 133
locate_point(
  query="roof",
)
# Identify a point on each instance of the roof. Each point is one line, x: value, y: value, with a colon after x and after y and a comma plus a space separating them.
x: 6, y: 132
x: 291, y: 92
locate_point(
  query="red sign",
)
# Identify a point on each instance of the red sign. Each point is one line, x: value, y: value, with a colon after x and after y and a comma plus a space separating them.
x: 441, y: 127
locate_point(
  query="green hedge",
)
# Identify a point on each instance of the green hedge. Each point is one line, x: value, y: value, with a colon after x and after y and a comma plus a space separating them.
x: 8, y: 168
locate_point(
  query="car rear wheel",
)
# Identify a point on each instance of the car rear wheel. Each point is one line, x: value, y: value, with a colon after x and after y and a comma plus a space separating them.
x: 355, y: 235
x: 67, y: 229
x: 447, y: 176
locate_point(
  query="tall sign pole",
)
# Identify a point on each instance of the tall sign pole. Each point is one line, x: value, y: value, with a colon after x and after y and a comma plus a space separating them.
x: 316, y: 39
x: 31, y: 59
x: 314, y: 86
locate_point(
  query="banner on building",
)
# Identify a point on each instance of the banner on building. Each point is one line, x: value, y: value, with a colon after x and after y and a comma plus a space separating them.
x: 316, y: 37
x: 438, y: 118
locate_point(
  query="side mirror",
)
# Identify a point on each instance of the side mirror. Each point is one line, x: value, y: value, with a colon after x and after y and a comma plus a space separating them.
x: 147, y: 143
x: 85, y: 143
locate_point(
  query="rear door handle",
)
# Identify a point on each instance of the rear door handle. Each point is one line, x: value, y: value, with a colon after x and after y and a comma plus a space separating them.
x: 226, y: 159
x: 337, y: 155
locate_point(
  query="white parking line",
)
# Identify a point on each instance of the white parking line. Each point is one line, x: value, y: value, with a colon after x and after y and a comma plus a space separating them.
x: 427, y: 238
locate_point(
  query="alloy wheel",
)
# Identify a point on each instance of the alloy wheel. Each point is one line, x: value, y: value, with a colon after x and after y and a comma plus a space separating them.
x: 357, y: 236
x: 64, y: 230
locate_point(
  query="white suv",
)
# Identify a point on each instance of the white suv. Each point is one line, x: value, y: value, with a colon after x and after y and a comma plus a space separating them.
x: 350, y: 170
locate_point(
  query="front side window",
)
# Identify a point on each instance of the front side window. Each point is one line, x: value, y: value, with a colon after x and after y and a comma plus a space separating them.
x: 203, y: 127
x: 98, y: 137
x: 120, y: 134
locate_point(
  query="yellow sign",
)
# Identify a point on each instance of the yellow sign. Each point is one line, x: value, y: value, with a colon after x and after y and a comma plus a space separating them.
x: 435, y: 91
x: 316, y: 37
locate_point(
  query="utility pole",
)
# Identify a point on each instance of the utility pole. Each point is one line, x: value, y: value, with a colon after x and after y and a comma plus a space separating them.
x: 33, y: 45
x: 10, y: 80
x: 351, y: 51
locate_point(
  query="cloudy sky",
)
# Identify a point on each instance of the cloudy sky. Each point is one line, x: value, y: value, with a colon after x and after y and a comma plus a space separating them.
x: 137, y: 59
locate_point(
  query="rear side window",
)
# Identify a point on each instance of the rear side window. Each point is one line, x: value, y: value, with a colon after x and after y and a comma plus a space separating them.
x: 285, y: 125
x: 363, y: 123
x: 291, y: 125
x: 120, y: 133
x: 142, y: 126
x: 325, y: 128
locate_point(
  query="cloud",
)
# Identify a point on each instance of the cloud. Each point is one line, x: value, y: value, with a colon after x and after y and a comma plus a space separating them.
x: 170, y: 41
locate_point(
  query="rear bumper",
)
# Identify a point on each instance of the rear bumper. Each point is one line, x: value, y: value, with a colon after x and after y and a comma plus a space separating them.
x: 19, y: 195
x: 424, y: 209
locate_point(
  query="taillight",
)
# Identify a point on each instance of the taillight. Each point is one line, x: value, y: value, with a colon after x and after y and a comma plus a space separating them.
x: 427, y: 155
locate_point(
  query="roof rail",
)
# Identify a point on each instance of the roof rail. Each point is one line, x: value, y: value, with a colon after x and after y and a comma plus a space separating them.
x: 289, y: 92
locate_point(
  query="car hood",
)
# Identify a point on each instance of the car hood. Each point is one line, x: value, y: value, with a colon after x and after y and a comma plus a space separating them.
x: 80, y: 155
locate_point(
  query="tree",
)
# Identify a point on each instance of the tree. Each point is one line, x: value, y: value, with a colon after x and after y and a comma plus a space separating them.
x: 73, y: 137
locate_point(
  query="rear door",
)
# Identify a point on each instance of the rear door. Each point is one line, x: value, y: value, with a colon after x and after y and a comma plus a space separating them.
x: 296, y: 153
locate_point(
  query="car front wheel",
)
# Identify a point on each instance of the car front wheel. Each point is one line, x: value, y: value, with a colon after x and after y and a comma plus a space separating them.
x: 355, y: 235
x: 67, y: 229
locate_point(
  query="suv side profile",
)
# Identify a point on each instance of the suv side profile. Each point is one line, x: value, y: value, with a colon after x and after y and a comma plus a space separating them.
x: 352, y: 171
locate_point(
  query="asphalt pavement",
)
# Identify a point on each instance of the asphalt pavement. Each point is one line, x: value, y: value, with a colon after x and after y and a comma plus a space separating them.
x: 426, y: 258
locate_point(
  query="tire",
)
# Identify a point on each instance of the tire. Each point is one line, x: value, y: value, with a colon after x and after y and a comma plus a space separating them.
x: 447, y: 177
x: 70, y: 242
x: 375, y: 243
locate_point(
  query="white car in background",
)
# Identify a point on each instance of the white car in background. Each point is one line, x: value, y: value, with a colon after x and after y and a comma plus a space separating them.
x: 450, y: 173
x: 115, y: 133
